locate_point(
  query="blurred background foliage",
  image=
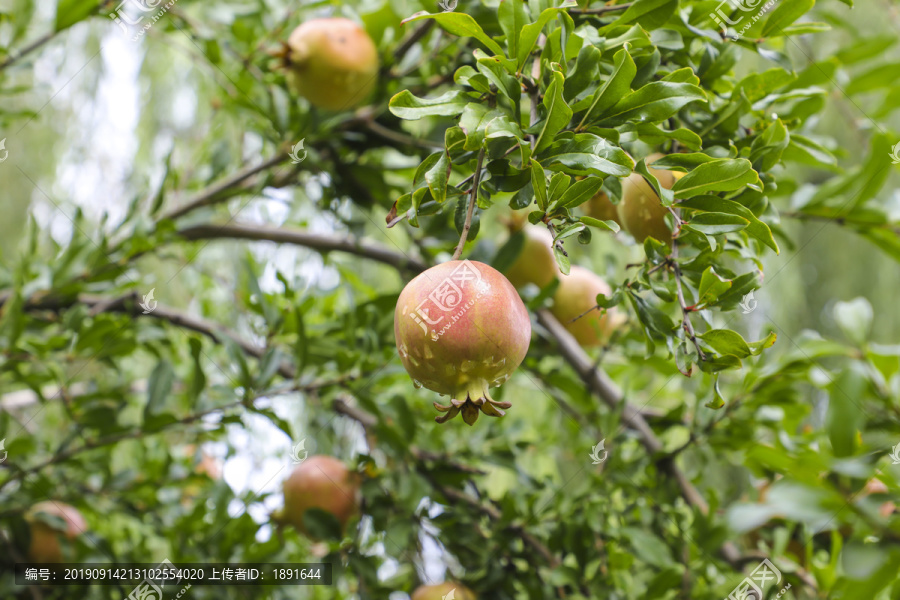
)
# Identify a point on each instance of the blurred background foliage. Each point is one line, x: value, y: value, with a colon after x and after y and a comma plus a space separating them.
x: 172, y: 431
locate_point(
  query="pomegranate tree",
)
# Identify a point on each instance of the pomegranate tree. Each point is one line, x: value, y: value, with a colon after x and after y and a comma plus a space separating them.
x: 443, y: 591
x: 332, y: 62
x: 321, y: 482
x: 574, y: 306
x: 461, y: 328
x: 49, y: 522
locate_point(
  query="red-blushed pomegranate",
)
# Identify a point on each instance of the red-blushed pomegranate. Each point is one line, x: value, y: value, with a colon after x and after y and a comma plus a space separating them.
x: 461, y: 328
x: 48, y: 522
x: 321, y: 482
x: 535, y: 263
x: 575, y: 298
x: 332, y: 62
x: 442, y: 591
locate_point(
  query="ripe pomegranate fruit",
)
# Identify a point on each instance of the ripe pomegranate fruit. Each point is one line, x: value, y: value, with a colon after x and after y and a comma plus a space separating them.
x: 332, y: 62
x: 321, y: 482
x: 535, y: 263
x: 600, y: 207
x: 576, y: 295
x: 460, y: 329
x: 641, y: 212
x: 45, y: 546
x: 442, y: 591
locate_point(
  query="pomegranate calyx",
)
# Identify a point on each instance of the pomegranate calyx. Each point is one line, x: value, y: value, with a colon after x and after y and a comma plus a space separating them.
x: 470, y: 401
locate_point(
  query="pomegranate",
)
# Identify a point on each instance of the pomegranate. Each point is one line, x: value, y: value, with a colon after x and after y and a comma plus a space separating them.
x: 461, y: 328
x: 443, y: 591
x: 535, y: 263
x: 600, y: 207
x: 332, y: 62
x: 577, y: 295
x: 641, y: 212
x: 321, y: 482
x: 45, y: 544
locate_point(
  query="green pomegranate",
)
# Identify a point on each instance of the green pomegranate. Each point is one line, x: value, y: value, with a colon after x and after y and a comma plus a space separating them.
x: 573, y: 302
x: 332, y: 62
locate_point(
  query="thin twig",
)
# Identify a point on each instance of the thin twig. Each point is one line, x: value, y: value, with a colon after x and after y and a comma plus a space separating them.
x: 16, y: 55
x: 685, y: 311
x: 211, y: 194
x: 473, y: 196
x: 316, y: 241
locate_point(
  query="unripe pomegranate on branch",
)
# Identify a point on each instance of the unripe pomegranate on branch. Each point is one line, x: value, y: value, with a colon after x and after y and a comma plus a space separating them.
x: 460, y: 329
x: 575, y: 305
x: 333, y: 63
x: 49, y: 522
x: 321, y: 482
x: 443, y: 591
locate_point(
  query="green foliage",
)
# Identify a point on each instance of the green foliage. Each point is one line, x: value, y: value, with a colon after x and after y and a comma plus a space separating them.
x: 771, y: 411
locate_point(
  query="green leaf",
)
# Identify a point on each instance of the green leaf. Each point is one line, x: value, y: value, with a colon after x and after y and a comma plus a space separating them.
x: 407, y: 106
x: 69, y: 12
x: 436, y: 177
x: 768, y: 147
x: 665, y: 195
x: 784, y: 14
x: 649, y: 13
x: 588, y: 154
x: 722, y: 175
x: 539, y: 183
x: 615, y: 87
x: 562, y: 260
x: 655, y: 136
x: 716, y: 223
x: 513, y: 18
x: 159, y: 386
x: 803, y: 149
x: 608, y: 225
x: 532, y: 31
x: 580, y: 192
x: 714, y: 204
x: 459, y: 24
x: 654, y: 102
x: 725, y: 341
x: 712, y: 285
x: 558, y: 112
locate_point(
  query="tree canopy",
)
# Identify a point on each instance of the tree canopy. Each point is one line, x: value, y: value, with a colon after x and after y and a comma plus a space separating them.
x: 200, y: 270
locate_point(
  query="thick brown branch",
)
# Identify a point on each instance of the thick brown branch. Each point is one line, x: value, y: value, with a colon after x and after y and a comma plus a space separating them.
x: 316, y: 241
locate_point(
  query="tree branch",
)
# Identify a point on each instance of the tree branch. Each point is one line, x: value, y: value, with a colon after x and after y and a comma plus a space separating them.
x: 685, y: 312
x: 603, y: 387
x: 16, y: 55
x: 211, y: 194
x: 316, y: 241
x: 470, y: 212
